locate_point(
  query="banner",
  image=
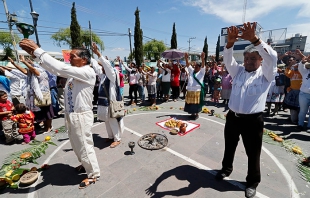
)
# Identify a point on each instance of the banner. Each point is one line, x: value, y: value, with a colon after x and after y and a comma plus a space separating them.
x: 66, y: 55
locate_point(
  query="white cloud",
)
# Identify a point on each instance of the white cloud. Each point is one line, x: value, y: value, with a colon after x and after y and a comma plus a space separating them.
x: 117, y: 49
x: 232, y: 12
x: 169, y: 10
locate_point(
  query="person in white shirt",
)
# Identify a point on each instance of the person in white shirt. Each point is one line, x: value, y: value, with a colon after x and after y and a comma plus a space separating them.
x: 134, y: 77
x: 251, y: 83
x: 79, y: 117
x: 165, y: 79
x: 110, y: 82
x: 194, y: 99
x: 304, y: 94
x: 151, y: 85
x: 16, y: 84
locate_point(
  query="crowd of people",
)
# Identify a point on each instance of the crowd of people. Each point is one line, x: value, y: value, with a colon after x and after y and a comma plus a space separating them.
x: 31, y: 97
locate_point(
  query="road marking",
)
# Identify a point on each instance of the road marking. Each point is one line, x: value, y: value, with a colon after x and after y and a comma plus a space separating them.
x: 32, y: 189
x: 287, y: 176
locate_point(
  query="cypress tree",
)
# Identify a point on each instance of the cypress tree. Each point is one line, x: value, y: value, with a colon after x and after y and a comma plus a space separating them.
x: 217, y: 52
x: 75, y: 29
x: 138, y: 40
x: 205, y: 49
x: 174, y: 43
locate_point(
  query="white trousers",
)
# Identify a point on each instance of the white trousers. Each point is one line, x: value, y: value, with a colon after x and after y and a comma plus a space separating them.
x: 79, y: 131
x: 114, y: 128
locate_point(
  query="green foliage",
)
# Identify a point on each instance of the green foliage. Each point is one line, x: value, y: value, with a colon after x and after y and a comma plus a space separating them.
x: 205, y: 49
x: 6, y: 42
x: 138, y: 39
x: 153, y: 49
x: 174, y: 43
x: 62, y: 37
x: 75, y: 29
x: 217, y: 50
x: 37, y: 149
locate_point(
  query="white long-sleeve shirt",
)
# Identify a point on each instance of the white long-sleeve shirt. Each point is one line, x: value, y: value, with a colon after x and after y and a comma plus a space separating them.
x: 165, y: 77
x: 133, y: 77
x: 16, y: 87
x: 192, y: 84
x: 305, y: 73
x: 79, y: 86
x: 250, y: 89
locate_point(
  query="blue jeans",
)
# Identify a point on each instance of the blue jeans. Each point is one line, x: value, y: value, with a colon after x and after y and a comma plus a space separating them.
x: 54, y: 100
x: 304, y: 103
x: 141, y: 92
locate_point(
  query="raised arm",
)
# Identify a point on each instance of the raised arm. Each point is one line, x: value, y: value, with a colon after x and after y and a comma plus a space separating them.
x: 29, y: 64
x: 228, y: 59
x: 23, y: 70
x: 202, y: 59
x: 109, y: 70
x: 301, y: 66
x: 54, y: 66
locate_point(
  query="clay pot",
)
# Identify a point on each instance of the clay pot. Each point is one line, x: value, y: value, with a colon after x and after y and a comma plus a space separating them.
x: 183, y: 127
x: 179, y: 124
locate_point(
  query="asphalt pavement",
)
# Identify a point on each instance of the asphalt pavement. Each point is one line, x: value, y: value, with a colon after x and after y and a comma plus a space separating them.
x: 186, y: 167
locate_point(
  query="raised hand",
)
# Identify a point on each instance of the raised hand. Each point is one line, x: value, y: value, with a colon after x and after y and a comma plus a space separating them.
x: 28, y: 45
x: 202, y: 55
x: 22, y: 58
x: 232, y: 35
x: 11, y: 60
x: 186, y: 55
x: 248, y: 32
x: 95, y: 49
x: 29, y: 61
x: 299, y: 53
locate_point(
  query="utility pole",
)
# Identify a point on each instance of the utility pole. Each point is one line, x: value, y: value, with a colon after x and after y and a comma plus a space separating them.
x: 189, y: 43
x: 35, y: 20
x: 91, y: 38
x: 9, y: 19
x: 130, y: 43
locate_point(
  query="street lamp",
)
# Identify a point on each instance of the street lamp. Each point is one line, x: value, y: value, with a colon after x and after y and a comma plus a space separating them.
x: 35, y: 17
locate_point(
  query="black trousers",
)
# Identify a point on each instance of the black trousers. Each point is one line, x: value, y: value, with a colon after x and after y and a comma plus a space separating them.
x: 133, y: 88
x: 250, y: 127
x: 175, y: 92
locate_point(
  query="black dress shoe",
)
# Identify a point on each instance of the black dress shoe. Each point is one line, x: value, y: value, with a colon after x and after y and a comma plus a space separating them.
x: 220, y: 175
x: 250, y: 192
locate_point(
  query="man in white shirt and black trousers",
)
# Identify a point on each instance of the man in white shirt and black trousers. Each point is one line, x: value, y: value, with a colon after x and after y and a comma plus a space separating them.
x: 251, y: 83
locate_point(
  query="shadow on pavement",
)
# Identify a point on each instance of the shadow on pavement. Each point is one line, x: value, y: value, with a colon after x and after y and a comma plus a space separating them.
x: 100, y: 142
x: 197, y: 179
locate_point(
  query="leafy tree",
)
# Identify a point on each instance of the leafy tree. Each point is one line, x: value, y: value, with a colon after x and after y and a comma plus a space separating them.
x: 205, y: 49
x: 154, y: 49
x: 63, y: 37
x: 174, y: 43
x: 75, y: 29
x: 217, y: 50
x: 6, y: 42
x: 138, y: 40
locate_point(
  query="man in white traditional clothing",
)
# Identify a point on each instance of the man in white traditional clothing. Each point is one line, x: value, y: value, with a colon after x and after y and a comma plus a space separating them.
x: 78, y: 103
x: 109, y: 90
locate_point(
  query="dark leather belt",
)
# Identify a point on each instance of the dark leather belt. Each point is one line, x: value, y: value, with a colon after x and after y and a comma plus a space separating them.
x: 240, y: 115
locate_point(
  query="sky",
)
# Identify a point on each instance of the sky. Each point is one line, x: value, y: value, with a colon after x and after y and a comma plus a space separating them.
x: 194, y: 19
